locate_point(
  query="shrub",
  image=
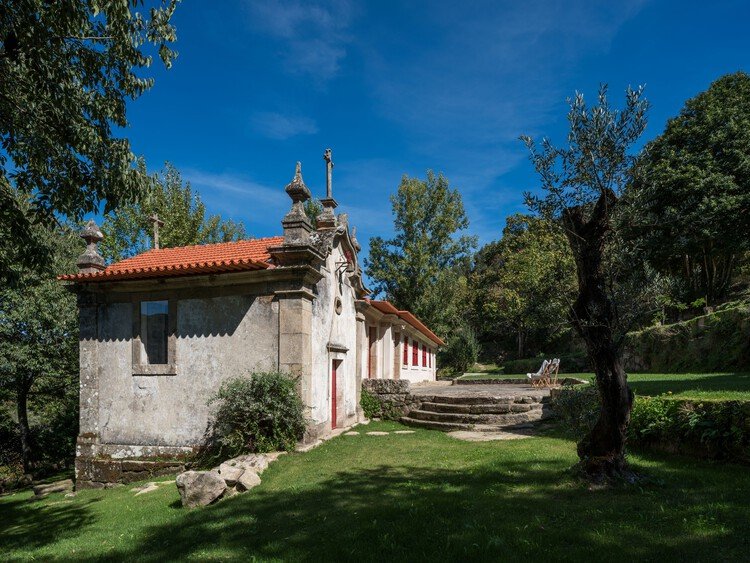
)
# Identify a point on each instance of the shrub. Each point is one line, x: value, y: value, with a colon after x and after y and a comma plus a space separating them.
x: 462, y: 350
x: 718, y: 429
x: 370, y: 404
x: 578, y: 408
x: 260, y: 413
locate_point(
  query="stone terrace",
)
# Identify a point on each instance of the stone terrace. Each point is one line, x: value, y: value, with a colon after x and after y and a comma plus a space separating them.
x: 479, y: 408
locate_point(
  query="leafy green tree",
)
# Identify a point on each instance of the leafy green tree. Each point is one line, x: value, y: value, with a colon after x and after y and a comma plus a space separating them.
x: 690, y: 200
x: 582, y: 184
x: 524, y: 283
x: 39, y: 342
x: 129, y: 229
x: 417, y: 269
x: 67, y: 70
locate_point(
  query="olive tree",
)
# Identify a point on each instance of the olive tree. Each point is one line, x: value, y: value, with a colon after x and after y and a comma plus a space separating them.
x: 582, y: 183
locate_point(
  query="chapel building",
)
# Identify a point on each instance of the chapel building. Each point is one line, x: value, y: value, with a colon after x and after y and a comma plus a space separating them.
x: 160, y: 332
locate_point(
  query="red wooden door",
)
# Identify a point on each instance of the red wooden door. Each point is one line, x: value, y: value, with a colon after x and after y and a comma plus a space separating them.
x: 334, y: 369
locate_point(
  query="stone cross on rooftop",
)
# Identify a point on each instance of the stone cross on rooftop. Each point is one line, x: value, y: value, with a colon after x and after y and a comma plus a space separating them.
x: 327, y: 220
x: 157, y: 223
x: 329, y: 172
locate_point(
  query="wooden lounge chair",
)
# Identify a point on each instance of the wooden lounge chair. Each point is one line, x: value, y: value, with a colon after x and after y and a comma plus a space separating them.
x: 553, y: 371
x: 547, y: 374
x: 540, y: 376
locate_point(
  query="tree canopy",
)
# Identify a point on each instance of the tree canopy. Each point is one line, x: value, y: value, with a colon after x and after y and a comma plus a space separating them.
x: 129, y: 229
x: 524, y: 283
x: 428, y: 251
x: 39, y: 348
x: 67, y: 70
x: 690, y: 198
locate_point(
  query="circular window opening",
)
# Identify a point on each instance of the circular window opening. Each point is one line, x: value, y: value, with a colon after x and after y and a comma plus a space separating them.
x: 339, y: 306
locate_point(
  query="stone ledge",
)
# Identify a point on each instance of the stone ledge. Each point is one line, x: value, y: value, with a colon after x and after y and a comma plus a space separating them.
x: 386, y: 386
x: 93, y: 473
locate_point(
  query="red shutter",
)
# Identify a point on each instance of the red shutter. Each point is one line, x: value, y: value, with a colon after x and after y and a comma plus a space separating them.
x: 406, y: 350
x: 424, y: 356
x: 371, y: 340
x: 414, y: 353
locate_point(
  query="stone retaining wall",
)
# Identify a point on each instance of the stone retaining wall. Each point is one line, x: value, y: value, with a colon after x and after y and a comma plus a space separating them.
x: 516, y: 381
x: 393, y: 395
x: 101, y: 473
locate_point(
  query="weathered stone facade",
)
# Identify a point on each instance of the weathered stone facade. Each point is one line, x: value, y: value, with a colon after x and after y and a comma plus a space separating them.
x: 294, y: 304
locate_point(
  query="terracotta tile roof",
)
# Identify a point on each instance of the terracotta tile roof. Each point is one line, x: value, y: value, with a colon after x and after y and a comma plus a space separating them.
x: 222, y: 257
x: 388, y: 308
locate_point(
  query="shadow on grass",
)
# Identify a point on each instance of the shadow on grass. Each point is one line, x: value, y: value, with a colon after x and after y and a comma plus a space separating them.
x: 498, y: 511
x: 681, y: 383
x: 26, y: 523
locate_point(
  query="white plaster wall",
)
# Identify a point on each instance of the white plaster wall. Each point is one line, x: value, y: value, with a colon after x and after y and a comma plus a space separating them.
x: 417, y: 373
x: 217, y: 338
x: 328, y: 327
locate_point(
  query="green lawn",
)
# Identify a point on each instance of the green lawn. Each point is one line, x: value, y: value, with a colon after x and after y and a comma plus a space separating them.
x: 709, y: 386
x: 412, y: 497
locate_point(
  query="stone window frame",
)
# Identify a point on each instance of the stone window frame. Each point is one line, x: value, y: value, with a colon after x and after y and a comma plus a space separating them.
x: 170, y: 368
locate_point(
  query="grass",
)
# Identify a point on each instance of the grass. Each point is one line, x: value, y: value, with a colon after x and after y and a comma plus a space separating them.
x: 701, y: 386
x: 421, y: 496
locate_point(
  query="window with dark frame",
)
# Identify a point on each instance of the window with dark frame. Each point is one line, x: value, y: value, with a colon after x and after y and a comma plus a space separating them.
x: 406, y: 350
x: 155, y: 332
x: 414, y: 353
x: 424, y: 356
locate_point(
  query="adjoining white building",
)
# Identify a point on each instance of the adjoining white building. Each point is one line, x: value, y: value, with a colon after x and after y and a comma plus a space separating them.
x: 160, y: 332
x: 400, y: 346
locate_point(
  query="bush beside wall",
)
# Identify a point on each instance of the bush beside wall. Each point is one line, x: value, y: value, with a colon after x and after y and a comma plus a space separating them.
x: 259, y: 413
x: 719, y: 341
x: 714, y: 429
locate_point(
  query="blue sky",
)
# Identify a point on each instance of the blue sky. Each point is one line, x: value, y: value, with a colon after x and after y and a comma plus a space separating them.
x: 401, y: 87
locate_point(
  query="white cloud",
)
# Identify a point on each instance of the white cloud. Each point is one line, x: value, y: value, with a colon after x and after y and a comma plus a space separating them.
x: 315, y: 34
x: 281, y: 127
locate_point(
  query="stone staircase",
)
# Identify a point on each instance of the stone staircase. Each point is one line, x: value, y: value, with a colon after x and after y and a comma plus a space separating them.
x: 479, y: 414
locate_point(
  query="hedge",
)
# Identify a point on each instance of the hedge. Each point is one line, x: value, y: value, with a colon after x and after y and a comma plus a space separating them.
x: 569, y: 363
x: 714, y: 429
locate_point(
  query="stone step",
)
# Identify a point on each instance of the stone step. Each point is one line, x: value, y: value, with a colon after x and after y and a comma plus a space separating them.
x: 432, y: 425
x: 496, y: 408
x: 468, y: 418
x: 452, y: 426
x: 482, y: 400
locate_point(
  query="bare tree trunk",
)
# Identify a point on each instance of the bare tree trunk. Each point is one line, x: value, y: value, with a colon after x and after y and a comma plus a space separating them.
x: 595, y: 318
x: 521, y: 342
x: 25, y: 431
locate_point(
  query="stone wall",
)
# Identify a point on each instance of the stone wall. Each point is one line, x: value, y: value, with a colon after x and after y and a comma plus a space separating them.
x: 104, y: 473
x: 393, y: 395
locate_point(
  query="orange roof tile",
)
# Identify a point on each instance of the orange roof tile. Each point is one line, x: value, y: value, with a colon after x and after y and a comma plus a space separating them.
x: 388, y: 308
x: 222, y: 257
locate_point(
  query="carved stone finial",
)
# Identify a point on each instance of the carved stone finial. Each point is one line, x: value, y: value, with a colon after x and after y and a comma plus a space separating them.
x: 296, y: 223
x: 355, y: 242
x: 297, y: 189
x: 91, y: 261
